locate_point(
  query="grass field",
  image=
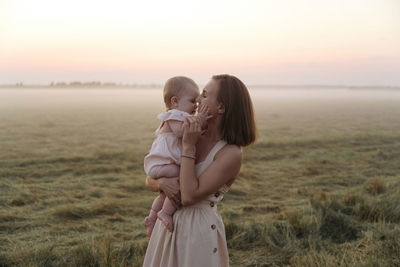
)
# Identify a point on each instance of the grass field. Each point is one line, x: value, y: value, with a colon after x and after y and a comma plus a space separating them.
x: 320, y: 187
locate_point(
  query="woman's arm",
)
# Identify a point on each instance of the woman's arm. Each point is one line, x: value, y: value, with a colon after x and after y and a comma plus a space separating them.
x: 224, y: 168
x: 170, y: 186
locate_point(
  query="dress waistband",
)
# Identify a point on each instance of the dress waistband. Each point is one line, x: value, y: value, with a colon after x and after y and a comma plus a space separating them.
x: 204, y: 204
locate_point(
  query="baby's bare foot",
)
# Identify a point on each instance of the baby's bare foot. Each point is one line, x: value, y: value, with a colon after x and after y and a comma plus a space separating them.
x: 166, y: 220
x: 149, y: 222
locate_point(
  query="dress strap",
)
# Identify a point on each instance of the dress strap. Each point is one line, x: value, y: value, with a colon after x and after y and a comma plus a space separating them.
x: 217, y: 147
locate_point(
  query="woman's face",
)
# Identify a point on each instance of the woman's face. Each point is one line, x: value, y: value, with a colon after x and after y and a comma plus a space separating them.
x: 209, y: 97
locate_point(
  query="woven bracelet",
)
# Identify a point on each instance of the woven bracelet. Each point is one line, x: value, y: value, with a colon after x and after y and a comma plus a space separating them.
x: 188, y: 156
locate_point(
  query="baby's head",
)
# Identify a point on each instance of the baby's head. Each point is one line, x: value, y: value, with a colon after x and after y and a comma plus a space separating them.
x: 181, y: 93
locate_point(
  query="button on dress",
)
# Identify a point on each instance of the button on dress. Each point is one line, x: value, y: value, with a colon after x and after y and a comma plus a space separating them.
x: 198, y: 238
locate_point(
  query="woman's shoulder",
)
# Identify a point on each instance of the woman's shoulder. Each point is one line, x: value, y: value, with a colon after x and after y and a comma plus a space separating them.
x: 230, y: 152
x: 230, y: 157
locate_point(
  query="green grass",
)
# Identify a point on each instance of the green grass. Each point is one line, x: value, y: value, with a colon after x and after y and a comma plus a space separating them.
x: 321, y: 186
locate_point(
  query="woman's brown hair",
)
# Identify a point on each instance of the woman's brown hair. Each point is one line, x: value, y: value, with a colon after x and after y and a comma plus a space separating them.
x: 238, y: 124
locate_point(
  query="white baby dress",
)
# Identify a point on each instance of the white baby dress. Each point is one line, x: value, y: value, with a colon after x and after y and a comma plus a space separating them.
x: 167, y: 147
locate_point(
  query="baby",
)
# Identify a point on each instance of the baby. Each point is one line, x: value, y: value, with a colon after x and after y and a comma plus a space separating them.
x: 164, y: 158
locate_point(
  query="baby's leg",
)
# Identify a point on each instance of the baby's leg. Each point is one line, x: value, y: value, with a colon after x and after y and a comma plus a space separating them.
x: 165, y: 214
x: 168, y: 170
x: 150, y: 220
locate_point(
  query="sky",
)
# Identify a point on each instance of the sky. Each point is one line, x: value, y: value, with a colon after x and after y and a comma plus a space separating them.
x: 351, y: 42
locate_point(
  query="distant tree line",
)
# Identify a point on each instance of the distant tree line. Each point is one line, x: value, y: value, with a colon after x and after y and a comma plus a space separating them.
x: 99, y: 84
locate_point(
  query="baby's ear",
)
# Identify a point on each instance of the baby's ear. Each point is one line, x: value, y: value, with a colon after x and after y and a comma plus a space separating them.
x: 174, y: 100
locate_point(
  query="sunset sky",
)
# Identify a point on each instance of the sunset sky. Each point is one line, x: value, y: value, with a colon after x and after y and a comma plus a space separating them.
x: 353, y: 42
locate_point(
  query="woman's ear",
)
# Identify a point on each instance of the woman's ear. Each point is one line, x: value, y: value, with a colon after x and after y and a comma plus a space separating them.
x: 174, y: 101
x: 221, y: 108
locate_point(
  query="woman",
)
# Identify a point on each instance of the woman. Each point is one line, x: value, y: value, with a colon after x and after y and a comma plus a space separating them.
x: 209, y: 165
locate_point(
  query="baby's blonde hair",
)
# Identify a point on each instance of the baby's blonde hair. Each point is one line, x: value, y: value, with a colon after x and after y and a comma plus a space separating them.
x: 175, y: 86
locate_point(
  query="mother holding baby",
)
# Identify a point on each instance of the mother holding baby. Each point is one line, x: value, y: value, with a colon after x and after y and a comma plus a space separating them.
x: 208, y: 168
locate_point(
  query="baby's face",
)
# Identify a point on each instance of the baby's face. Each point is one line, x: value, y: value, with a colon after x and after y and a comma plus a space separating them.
x: 187, y: 101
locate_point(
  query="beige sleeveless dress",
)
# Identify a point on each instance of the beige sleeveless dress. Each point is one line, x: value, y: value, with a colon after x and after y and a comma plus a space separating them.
x: 199, y: 233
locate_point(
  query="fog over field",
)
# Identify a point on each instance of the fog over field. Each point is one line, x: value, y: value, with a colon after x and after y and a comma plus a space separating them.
x: 321, y: 186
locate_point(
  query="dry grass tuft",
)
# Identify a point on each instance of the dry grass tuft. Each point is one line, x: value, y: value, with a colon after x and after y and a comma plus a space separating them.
x: 376, y: 186
x: 349, y: 198
x: 22, y: 199
x: 75, y: 212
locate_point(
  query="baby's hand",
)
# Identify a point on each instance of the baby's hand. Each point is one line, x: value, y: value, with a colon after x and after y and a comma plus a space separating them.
x: 202, y: 114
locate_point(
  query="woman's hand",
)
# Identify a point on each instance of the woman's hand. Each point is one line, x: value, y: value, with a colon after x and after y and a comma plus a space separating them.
x: 192, y: 132
x: 170, y: 186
